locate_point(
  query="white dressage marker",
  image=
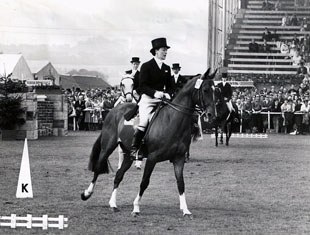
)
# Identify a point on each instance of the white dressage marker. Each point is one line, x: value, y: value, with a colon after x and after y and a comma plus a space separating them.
x: 243, y: 135
x: 24, y: 186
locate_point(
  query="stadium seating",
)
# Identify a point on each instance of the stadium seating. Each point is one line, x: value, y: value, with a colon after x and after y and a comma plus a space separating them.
x: 250, y: 23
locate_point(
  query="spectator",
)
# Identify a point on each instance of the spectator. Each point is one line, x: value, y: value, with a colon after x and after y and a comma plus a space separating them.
x: 294, y: 20
x: 305, y: 110
x: 284, y: 48
x: 302, y: 70
x: 253, y: 46
x: 274, y: 36
x: 256, y: 116
x: 298, y: 117
x: 246, y: 115
x: 285, y: 20
x: 276, y: 107
x: 267, y: 5
x: 266, y: 35
x: 287, y: 110
x: 265, y: 48
x: 79, y: 107
x: 296, y: 58
x: 277, y: 5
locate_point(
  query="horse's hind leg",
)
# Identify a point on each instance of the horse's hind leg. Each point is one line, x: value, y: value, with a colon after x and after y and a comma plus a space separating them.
x: 149, y: 167
x: 178, y: 170
x: 120, y: 157
x: 89, y: 191
x: 228, y: 133
x: 126, y: 164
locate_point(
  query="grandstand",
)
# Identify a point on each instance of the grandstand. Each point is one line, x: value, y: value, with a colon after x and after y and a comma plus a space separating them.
x: 250, y: 23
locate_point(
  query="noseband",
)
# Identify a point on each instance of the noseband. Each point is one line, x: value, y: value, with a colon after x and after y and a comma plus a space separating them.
x: 122, y: 87
x: 190, y: 111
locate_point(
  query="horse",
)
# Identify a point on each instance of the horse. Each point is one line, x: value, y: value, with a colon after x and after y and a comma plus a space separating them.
x: 168, y: 138
x: 224, y: 119
x: 127, y: 95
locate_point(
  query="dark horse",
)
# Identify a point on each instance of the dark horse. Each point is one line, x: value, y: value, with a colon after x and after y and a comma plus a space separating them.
x: 168, y: 138
x: 225, y: 121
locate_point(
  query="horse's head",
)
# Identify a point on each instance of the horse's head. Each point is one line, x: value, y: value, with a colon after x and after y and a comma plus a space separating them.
x: 126, y: 86
x: 206, y: 94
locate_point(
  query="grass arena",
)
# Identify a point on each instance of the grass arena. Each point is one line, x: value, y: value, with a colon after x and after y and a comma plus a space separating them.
x: 252, y: 186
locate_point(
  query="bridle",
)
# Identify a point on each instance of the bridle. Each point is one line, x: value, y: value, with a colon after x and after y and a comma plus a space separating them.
x: 122, y: 87
x: 191, y: 111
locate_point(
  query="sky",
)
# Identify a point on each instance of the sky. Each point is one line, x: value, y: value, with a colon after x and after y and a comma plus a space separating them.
x: 103, y: 35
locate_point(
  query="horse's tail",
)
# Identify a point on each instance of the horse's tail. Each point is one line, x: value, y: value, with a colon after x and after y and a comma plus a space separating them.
x: 94, y: 157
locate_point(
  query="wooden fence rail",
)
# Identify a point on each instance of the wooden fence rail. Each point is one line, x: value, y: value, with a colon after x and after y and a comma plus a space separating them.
x: 28, y: 221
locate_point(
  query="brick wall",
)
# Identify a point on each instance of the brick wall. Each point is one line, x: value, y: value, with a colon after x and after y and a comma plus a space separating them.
x: 45, y: 116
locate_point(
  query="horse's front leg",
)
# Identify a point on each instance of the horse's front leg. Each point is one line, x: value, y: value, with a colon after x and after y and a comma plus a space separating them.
x: 228, y: 133
x: 178, y: 170
x: 148, y: 169
x: 126, y: 164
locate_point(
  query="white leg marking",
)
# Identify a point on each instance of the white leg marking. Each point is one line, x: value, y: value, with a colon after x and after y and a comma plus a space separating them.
x: 183, y: 205
x: 138, y: 164
x: 112, y: 201
x: 120, y: 157
x: 90, y: 190
x: 136, y: 207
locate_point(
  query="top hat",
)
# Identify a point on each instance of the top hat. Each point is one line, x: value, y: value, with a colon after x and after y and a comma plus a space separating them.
x: 158, y: 43
x: 135, y: 59
x: 176, y: 66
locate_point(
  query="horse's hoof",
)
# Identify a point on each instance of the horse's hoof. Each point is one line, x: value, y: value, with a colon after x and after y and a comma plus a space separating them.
x: 135, y: 214
x: 84, y: 198
x: 114, y: 209
x: 188, y: 216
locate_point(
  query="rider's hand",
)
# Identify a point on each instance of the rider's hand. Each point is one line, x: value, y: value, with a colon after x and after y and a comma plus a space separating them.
x: 159, y: 94
x: 167, y: 96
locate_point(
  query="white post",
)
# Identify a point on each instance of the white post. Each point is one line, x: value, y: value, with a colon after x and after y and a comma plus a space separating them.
x: 61, y: 222
x: 29, y: 221
x: 268, y: 120
x: 241, y: 121
x: 13, y: 220
x: 44, y: 222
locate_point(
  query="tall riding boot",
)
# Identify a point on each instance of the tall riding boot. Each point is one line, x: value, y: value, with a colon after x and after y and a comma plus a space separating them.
x: 136, y: 142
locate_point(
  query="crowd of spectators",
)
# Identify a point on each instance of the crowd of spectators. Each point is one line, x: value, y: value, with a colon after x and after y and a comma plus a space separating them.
x: 278, y: 5
x: 88, y: 108
x: 291, y: 102
x: 297, y: 49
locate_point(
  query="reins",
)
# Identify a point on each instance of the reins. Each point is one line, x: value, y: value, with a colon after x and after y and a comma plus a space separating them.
x: 189, y: 111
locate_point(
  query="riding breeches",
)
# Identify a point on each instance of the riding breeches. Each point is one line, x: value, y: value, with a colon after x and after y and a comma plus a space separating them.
x: 230, y: 106
x: 146, y: 106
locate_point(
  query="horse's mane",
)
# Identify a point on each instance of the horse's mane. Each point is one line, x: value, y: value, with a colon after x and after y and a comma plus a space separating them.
x: 188, y: 85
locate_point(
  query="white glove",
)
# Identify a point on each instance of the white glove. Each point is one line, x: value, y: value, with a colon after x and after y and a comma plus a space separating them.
x: 159, y: 94
x: 167, y: 96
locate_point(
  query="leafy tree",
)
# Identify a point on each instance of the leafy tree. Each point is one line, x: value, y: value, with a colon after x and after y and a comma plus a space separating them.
x: 10, y: 103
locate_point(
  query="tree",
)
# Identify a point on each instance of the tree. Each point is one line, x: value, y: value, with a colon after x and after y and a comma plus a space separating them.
x: 10, y: 103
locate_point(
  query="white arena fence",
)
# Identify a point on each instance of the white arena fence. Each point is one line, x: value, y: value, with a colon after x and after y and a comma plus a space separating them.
x: 28, y: 221
x: 269, y: 114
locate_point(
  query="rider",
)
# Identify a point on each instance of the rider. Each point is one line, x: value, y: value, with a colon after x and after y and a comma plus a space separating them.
x: 178, y: 80
x: 226, y: 91
x: 154, y: 84
x: 134, y: 72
